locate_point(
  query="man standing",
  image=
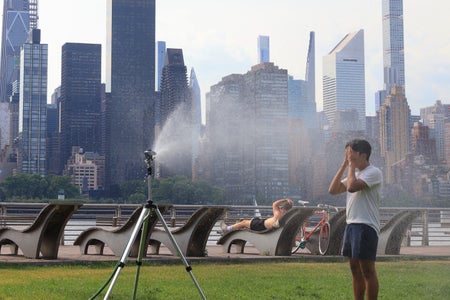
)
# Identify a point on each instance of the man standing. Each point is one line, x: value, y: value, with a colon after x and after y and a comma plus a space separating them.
x: 363, y: 187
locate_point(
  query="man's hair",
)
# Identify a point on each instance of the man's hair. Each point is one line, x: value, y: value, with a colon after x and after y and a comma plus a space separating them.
x: 286, y: 205
x: 360, y: 146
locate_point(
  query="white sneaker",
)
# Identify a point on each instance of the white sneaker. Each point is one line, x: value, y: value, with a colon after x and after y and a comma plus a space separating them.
x: 223, y: 226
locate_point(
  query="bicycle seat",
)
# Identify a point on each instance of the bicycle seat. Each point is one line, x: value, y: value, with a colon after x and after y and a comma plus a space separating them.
x: 327, y: 207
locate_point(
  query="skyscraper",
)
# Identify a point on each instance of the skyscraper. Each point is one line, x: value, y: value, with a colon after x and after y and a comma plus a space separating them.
x: 33, y: 106
x: 160, y: 58
x: 298, y: 100
x: 344, y: 82
x: 310, y: 74
x: 393, y: 44
x: 80, y: 98
x: 247, y: 135
x: 395, y: 131
x: 176, y: 115
x: 19, y: 18
x: 130, y: 80
x: 194, y: 87
x: 263, y: 49
x: 302, y: 95
x: 435, y: 117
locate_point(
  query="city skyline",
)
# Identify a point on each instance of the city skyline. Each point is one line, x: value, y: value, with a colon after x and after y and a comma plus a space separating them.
x: 216, y: 47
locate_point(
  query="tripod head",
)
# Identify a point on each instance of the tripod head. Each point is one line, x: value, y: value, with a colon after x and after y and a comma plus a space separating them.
x: 149, y: 157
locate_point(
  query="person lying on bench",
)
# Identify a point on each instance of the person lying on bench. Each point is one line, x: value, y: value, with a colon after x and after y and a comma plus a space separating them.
x: 279, y: 207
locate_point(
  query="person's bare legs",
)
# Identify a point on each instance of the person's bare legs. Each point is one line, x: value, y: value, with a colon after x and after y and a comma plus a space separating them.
x: 364, y: 277
x: 359, y: 286
x: 242, y: 224
x: 370, y: 277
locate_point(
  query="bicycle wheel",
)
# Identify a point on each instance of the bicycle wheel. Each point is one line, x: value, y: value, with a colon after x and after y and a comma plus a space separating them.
x: 324, y: 238
x: 299, y: 241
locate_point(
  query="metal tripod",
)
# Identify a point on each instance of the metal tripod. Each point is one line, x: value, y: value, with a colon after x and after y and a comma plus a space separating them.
x: 142, y: 222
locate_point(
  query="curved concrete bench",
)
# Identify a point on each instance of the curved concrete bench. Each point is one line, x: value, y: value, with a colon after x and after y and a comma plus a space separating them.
x: 337, y: 229
x: 277, y: 241
x: 392, y: 233
x: 116, y: 239
x: 192, y: 237
x: 42, y: 238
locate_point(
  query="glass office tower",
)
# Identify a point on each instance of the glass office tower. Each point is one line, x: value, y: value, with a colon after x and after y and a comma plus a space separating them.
x: 80, y: 98
x: 393, y: 45
x: 130, y: 80
x: 344, y: 83
x: 19, y: 18
x: 263, y: 49
x: 33, y: 106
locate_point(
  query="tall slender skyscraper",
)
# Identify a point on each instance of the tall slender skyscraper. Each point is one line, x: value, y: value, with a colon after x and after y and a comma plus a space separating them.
x: 194, y: 87
x: 80, y: 98
x: 344, y: 83
x: 263, y: 49
x: 33, y: 106
x: 19, y: 18
x: 393, y: 44
x: 310, y: 74
x: 130, y: 80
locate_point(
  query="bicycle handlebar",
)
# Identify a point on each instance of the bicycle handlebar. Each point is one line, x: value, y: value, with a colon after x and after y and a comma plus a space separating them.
x: 321, y: 205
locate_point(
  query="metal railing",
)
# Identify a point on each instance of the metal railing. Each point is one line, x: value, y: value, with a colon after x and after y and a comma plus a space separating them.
x: 430, y: 228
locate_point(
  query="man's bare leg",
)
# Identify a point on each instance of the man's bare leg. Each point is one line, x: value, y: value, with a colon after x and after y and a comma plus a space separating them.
x: 359, y: 284
x: 242, y: 224
x: 370, y: 277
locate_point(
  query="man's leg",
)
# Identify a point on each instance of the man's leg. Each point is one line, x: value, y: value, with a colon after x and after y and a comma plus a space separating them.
x: 359, y: 284
x: 241, y: 225
x: 370, y: 277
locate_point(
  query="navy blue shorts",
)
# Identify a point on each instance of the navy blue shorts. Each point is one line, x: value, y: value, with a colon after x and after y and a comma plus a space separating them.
x: 257, y: 224
x: 360, y: 242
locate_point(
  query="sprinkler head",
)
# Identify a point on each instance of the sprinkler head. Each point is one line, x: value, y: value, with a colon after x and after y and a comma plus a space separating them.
x: 149, y: 154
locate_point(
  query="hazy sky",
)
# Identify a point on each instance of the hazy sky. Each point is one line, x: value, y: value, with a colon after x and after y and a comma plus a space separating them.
x: 218, y: 38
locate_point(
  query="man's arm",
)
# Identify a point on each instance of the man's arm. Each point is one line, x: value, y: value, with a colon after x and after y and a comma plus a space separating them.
x: 279, y: 202
x: 354, y: 184
x: 336, y: 186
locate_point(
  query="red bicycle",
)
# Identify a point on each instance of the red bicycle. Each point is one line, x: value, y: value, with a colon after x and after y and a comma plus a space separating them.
x: 323, y: 227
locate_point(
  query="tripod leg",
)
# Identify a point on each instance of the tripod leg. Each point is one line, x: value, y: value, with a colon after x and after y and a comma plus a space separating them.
x: 142, y: 248
x: 126, y: 252
x: 149, y: 156
x: 174, y: 242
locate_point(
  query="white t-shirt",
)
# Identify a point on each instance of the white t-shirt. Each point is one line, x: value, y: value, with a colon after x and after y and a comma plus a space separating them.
x: 363, y: 206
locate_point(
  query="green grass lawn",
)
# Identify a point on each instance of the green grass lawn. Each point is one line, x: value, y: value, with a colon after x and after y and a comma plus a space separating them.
x: 263, y: 280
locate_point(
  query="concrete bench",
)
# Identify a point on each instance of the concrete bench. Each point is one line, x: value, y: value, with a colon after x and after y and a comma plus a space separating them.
x: 42, y: 238
x: 392, y: 233
x: 276, y: 241
x: 192, y: 237
x: 337, y: 229
x: 95, y: 238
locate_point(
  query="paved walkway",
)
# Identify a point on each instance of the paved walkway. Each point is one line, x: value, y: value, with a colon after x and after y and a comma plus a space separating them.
x: 71, y: 254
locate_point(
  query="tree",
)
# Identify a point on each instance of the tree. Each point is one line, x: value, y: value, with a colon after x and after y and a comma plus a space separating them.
x: 133, y: 187
x: 33, y: 186
x: 57, y: 183
x: 28, y: 186
x: 181, y: 190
